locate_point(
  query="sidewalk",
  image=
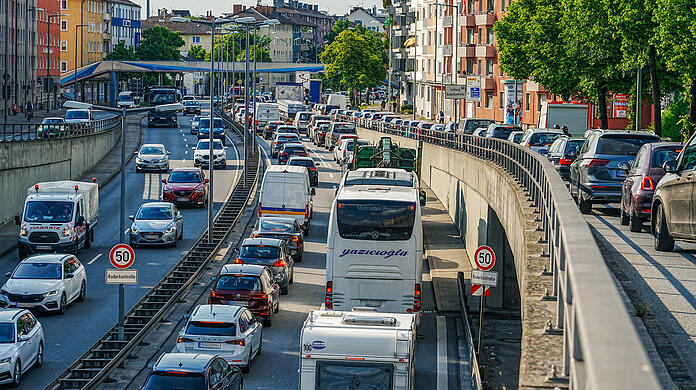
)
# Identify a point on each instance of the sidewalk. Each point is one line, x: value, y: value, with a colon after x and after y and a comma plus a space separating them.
x: 39, y: 116
x: 105, y: 170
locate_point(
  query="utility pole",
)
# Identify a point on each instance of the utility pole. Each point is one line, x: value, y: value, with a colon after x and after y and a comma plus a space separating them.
x: 639, y: 92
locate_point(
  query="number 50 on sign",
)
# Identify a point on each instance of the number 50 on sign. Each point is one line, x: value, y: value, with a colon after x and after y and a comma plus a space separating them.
x: 484, y: 258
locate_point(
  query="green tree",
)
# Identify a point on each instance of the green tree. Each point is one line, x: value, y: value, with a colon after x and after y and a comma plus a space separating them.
x: 357, y: 59
x: 338, y: 27
x: 121, y: 52
x: 262, y: 54
x: 159, y: 43
x: 677, y: 33
x: 197, y: 51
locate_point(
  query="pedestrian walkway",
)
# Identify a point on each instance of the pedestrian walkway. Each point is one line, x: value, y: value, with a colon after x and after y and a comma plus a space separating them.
x: 39, y: 116
x: 105, y: 170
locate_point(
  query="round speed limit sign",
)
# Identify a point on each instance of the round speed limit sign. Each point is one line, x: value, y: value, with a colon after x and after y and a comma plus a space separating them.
x: 484, y: 258
x: 122, y: 256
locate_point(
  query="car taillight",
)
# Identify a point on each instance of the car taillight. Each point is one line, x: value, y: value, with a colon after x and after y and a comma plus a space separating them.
x: 279, y: 263
x: 417, y: 298
x: 306, y: 212
x: 184, y: 340
x: 597, y: 162
x: 565, y: 161
x: 344, y: 153
x: 256, y: 235
x: 259, y: 209
x: 528, y: 145
x: 328, y: 299
x: 240, y: 342
x: 260, y: 296
x: 215, y: 294
x: 647, y: 184
x: 295, y: 238
x: 312, y: 168
x: 238, y: 261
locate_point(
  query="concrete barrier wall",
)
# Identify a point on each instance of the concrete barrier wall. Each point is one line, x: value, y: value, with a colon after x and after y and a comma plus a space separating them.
x: 23, y: 164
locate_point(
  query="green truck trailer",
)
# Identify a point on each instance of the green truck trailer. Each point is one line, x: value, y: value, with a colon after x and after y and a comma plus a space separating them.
x: 386, y: 154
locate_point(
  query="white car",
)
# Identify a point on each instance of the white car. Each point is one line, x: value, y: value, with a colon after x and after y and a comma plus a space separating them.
x: 22, y: 340
x: 228, y: 331
x: 78, y: 117
x: 345, y: 149
x: 47, y: 282
x: 202, y: 150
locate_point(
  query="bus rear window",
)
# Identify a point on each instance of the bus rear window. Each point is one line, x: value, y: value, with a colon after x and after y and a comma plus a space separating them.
x: 345, y: 375
x: 375, y: 220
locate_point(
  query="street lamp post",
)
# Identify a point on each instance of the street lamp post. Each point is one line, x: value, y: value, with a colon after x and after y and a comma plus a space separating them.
x: 122, y: 216
x: 75, y: 77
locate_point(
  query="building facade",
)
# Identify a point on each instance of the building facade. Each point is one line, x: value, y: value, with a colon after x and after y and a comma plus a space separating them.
x: 369, y: 19
x: 192, y: 33
x: 19, y: 41
x: 125, y: 23
x: 85, y: 33
x: 48, y: 51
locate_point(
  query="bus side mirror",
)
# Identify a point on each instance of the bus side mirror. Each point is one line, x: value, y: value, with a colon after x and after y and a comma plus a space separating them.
x: 422, y: 196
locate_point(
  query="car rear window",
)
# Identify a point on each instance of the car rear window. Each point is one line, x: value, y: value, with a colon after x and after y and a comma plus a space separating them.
x: 622, y: 145
x: 660, y: 156
x: 302, y: 163
x: 572, y: 145
x: 168, y: 380
x: 542, y: 139
x: 239, y: 283
x: 206, y: 328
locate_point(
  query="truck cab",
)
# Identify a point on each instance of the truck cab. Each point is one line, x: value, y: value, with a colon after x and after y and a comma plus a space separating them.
x: 58, y: 217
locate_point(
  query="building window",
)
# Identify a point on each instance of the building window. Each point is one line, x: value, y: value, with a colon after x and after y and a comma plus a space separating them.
x: 502, y: 5
x: 489, y: 67
x: 526, y: 101
x: 489, y: 99
x: 491, y: 36
x: 63, y: 66
x: 469, y: 66
x: 470, y: 36
x: 491, y: 6
x: 196, y: 39
x: 63, y: 45
x: 64, y: 5
x: 540, y: 99
x: 479, y: 67
x: 430, y: 38
x: 480, y: 36
x: 471, y: 6
x: 501, y: 98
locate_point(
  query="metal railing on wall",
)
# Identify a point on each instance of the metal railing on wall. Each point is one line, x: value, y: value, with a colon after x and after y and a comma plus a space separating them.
x: 601, y: 348
x: 22, y: 132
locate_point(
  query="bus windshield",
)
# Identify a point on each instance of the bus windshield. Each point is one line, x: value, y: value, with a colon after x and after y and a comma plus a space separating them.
x: 377, y: 220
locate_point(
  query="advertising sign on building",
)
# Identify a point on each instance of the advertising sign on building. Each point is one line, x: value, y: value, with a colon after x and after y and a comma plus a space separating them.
x: 513, y: 101
x: 620, y: 105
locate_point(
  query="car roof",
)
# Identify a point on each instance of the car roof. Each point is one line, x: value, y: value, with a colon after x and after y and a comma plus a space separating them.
x: 213, y: 312
x: 280, y: 219
x: 293, y: 145
x: 185, y: 169
x: 285, y: 134
x: 186, y: 362
x: 53, y: 117
x: 9, y: 314
x: 153, y: 145
x: 46, y: 258
x: 156, y: 204
x: 261, y: 241
x: 664, y: 145
x: 243, y: 269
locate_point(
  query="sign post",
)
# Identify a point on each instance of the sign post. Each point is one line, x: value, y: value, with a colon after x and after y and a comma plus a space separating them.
x: 485, y: 260
x: 121, y: 256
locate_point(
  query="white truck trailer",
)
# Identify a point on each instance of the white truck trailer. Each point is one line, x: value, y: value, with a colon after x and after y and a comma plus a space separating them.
x: 574, y: 115
x: 288, y: 109
x: 338, y: 348
x: 58, y: 216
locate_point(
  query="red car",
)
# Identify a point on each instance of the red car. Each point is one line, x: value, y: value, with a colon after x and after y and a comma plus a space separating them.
x: 186, y: 186
x: 249, y: 285
x: 641, y: 178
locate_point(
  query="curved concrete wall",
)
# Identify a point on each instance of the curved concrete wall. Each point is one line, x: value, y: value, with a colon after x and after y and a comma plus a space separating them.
x: 23, y: 164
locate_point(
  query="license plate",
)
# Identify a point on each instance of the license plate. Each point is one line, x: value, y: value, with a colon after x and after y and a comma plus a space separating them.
x: 44, y: 247
x: 372, y: 303
x: 151, y: 237
x: 182, y: 199
x: 205, y: 344
x: 23, y: 305
x: 243, y: 303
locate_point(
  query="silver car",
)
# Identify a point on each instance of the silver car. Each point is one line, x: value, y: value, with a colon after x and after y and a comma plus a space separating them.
x: 152, y: 157
x: 156, y: 223
x: 195, y: 122
x: 22, y: 339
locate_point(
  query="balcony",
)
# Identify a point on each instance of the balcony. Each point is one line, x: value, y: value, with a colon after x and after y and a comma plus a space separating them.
x: 400, y: 8
x: 467, y: 20
x: 447, y: 50
x: 487, y: 82
x: 486, y: 51
x: 447, y: 21
x: 400, y: 31
x: 468, y: 51
x: 485, y: 19
x: 401, y: 54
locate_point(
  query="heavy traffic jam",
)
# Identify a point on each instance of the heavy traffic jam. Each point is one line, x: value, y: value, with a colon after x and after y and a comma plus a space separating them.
x: 374, y: 254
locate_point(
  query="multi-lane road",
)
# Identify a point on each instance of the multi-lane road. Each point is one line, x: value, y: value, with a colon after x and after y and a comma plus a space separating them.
x: 68, y: 336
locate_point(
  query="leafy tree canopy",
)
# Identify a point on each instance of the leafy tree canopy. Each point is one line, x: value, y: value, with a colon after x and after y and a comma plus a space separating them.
x: 159, y: 43
x: 356, y: 58
x: 121, y: 52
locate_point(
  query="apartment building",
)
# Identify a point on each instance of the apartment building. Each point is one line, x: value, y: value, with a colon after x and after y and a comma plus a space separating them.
x: 47, y: 50
x: 85, y: 33
x: 125, y: 23
x: 18, y: 39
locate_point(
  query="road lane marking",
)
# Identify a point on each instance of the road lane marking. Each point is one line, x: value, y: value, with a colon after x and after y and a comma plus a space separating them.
x: 94, y: 259
x: 146, y: 186
x: 441, y: 353
x: 323, y: 161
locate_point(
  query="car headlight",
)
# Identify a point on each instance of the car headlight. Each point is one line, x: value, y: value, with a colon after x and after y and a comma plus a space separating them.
x: 170, y: 229
x: 167, y: 190
x: 23, y: 232
x: 133, y: 229
x: 138, y: 160
x: 67, y: 232
x: 4, y: 292
x: 6, y: 360
x: 199, y: 190
x: 51, y: 293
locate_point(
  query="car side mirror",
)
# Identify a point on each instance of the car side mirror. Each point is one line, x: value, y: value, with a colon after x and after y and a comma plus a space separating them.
x: 577, y: 150
x: 169, y: 153
x: 8, y: 274
x: 164, y: 181
x: 131, y: 217
x: 80, y: 221
x: 316, y: 164
x: 214, y: 277
x: 314, y: 191
x: 17, y: 220
x: 136, y: 153
x: 69, y: 276
x: 670, y: 166
x: 23, y: 338
x: 179, y: 217
x: 422, y: 196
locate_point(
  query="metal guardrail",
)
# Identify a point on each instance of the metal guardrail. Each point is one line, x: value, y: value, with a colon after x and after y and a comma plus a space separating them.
x: 20, y: 132
x: 474, y: 376
x: 95, y: 365
x: 601, y: 348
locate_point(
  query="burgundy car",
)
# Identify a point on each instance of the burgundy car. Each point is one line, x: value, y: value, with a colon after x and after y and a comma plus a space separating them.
x: 186, y: 186
x: 249, y: 285
x: 641, y: 178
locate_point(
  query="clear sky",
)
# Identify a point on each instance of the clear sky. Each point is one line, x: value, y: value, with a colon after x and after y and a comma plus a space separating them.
x: 338, y: 7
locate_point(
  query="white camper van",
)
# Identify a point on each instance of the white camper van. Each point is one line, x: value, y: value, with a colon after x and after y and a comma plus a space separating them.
x: 338, y: 348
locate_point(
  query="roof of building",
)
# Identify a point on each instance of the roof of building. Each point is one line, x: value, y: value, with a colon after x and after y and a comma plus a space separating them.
x: 185, y: 28
x: 126, y: 2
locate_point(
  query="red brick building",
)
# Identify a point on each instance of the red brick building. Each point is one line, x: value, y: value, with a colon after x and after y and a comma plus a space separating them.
x: 48, y: 27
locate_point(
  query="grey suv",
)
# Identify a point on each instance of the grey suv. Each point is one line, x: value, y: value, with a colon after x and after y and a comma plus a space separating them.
x: 596, y: 174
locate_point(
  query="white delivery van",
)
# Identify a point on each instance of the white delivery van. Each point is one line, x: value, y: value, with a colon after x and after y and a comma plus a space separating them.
x: 285, y: 191
x: 574, y: 115
x: 341, y: 348
x: 338, y: 100
x: 265, y: 112
x: 126, y: 100
x: 302, y: 120
x: 59, y: 216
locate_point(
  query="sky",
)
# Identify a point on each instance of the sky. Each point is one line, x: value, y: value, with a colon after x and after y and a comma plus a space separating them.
x: 337, y: 7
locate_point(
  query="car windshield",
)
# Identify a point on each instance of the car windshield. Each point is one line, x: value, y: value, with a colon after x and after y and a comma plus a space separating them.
x: 239, y: 282
x: 294, y: 149
x: 175, y: 380
x: 48, y: 211
x: 286, y: 129
x: 191, y: 103
x: 503, y: 132
x: 287, y: 138
x: 472, y: 125
x: 344, y: 128
x: 543, y: 139
x: 205, y: 145
x: 37, y: 271
x: 304, y: 116
x: 205, y: 123
x: 211, y: 328
x: 660, y: 156
x: 165, y: 97
x: 302, y: 163
x: 125, y: 97
x: 6, y: 332
x: 260, y: 251
x: 622, y: 145
x: 184, y: 177
x: 152, y: 150
x: 76, y: 115
x: 52, y: 121
x: 155, y: 213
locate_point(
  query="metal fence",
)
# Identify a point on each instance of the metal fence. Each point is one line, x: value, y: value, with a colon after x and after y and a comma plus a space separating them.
x: 601, y: 348
x: 21, y: 132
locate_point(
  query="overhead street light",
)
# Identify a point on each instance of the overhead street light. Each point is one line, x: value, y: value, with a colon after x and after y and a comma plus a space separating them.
x: 122, y: 216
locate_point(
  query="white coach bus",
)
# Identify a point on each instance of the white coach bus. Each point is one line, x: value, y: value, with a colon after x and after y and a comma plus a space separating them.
x: 374, y: 255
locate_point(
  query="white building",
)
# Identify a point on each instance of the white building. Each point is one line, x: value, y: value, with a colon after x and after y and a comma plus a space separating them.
x: 125, y: 23
x: 372, y: 20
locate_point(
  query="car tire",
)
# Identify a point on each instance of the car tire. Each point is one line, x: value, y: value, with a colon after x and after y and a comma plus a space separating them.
x: 17, y: 375
x: 267, y: 322
x: 663, y: 241
x: 292, y: 277
x: 63, y: 305
x: 260, y: 349
x: 83, y: 292
x: 181, y: 236
x: 635, y: 223
x: 89, y: 237
x: 584, y: 205
x: 76, y: 247
x: 285, y: 289
x: 623, y: 217
x: 22, y: 254
x: 224, y: 165
x: 39, y: 356
x: 137, y: 170
x: 246, y: 367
